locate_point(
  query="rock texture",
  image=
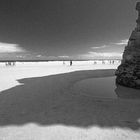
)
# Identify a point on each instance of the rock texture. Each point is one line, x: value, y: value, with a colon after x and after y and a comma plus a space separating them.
x: 128, y: 73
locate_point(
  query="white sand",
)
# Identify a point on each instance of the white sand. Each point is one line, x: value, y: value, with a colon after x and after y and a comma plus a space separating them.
x: 47, y: 106
x: 10, y: 75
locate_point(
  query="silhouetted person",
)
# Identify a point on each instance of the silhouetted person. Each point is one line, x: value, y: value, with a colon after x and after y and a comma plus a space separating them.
x: 9, y: 63
x: 6, y: 64
x: 14, y: 63
x: 70, y: 62
x: 113, y: 62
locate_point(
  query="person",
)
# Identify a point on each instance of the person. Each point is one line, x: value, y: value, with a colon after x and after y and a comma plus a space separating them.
x: 70, y: 62
x: 113, y: 61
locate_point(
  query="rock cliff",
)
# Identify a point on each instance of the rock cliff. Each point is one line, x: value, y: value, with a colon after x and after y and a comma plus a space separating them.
x: 128, y: 73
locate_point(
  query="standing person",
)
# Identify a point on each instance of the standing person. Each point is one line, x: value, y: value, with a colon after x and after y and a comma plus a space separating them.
x: 95, y: 62
x: 70, y: 62
x: 113, y: 62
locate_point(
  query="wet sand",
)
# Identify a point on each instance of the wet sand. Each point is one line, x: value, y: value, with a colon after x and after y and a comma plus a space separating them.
x: 49, y: 107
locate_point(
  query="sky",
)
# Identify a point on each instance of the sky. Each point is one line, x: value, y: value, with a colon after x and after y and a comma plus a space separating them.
x: 62, y: 29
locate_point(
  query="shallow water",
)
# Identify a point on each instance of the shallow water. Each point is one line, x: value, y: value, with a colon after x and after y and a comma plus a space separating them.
x: 127, y: 93
x: 104, y: 88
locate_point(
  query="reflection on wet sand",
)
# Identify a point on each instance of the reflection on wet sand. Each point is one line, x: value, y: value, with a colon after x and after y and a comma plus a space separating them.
x: 127, y: 93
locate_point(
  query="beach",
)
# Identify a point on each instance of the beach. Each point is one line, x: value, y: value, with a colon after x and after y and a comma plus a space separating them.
x: 53, y: 100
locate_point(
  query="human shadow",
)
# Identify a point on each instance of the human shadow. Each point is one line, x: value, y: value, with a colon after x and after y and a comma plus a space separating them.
x: 48, y: 101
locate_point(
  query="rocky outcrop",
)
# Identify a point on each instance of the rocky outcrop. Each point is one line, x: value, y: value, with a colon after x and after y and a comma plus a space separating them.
x: 128, y: 73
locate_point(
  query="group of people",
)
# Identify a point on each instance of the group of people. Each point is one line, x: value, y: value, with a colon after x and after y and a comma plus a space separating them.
x: 96, y: 62
x: 10, y: 63
x: 104, y: 62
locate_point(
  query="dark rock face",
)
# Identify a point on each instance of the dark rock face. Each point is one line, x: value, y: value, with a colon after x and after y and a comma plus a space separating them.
x: 128, y: 73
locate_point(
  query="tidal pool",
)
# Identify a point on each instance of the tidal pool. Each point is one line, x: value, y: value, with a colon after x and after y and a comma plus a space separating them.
x: 104, y: 88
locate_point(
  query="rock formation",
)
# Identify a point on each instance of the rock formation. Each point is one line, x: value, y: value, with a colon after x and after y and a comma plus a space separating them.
x: 128, y: 73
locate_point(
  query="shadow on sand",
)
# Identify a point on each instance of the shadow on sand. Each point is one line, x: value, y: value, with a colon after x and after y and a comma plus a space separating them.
x: 48, y: 101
